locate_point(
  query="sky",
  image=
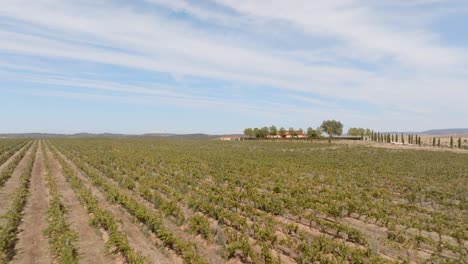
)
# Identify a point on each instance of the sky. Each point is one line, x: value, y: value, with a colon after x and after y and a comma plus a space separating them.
x: 219, y: 66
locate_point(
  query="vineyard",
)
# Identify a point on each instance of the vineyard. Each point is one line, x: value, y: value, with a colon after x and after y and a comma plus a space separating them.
x: 201, y: 201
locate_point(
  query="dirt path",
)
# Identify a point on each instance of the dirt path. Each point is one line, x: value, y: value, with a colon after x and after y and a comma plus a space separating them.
x: 13, y: 183
x: 2, y: 166
x: 401, y: 147
x: 91, y: 246
x: 33, y: 246
x: 141, y: 242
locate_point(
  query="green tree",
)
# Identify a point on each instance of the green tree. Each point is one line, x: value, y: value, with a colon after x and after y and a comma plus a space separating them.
x: 438, y: 143
x: 459, y: 143
x: 352, y: 131
x: 319, y: 131
x: 402, y: 139
x: 311, y: 133
x: 451, y: 142
x: 264, y: 132
x: 433, y: 141
x: 273, y: 131
x: 248, y: 132
x: 368, y: 132
x: 256, y: 132
x: 291, y: 131
x: 282, y: 131
x: 332, y: 127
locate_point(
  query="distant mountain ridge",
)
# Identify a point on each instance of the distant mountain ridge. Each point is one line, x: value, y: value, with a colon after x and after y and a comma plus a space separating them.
x: 435, y: 132
x: 111, y: 135
x: 448, y: 131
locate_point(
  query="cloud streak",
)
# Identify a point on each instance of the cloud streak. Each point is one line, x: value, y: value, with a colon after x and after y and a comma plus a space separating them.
x: 349, y: 50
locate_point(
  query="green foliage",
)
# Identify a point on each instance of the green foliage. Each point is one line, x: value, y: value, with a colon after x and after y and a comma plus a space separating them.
x: 282, y: 131
x: 13, y: 215
x: 359, y: 132
x: 254, y: 190
x: 273, y: 131
x: 61, y: 238
x: 249, y: 132
x: 199, y: 224
x: 6, y: 173
x: 332, y: 127
x: 101, y: 217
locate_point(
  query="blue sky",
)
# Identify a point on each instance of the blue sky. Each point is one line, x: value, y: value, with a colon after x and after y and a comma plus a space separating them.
x: 218, y: 66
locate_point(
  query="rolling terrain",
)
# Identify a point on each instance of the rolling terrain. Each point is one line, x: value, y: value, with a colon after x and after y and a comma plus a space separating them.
x: 191, y: 201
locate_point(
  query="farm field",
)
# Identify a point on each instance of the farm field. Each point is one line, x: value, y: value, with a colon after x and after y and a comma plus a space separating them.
x: 203, y: 201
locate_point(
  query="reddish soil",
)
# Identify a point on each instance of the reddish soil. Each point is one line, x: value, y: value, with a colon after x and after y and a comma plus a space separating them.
x: 32, y: 246
x: 404, y: 147
x: 12, y: 157
x: 91, y: 246
x: 138, y: 238
x: 12, y: 184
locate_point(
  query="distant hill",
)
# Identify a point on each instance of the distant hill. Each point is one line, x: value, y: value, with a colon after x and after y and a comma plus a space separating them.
x: 435, y: 132
x: 111, y: 135
x: 448, y: 131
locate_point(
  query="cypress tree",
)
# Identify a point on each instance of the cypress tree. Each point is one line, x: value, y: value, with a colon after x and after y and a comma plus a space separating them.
x: 402, y: 139
x: 438, y: 143
x: 409, y: 139
x: 433, y: 142
x: 419, y: 141
x: 459, y: 142
x: 396, y: 137
x: 393, y: 139
x: 451, y: 142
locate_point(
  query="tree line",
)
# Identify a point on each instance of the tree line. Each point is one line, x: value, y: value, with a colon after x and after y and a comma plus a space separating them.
x: 329, y: 127
x: 410, y: 139
x: 333, y: 128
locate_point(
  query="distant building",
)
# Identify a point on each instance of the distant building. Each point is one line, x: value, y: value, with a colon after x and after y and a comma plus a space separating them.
x: 230, y: 138
x: 296, y: 134
x: 274, y: 136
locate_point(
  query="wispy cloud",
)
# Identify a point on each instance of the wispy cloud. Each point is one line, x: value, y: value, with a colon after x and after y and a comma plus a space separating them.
x: 360, y: 52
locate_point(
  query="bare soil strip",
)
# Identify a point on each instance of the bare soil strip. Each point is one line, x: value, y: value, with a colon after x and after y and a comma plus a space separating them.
x: 8, y: 190
x: 2, y: 166
x: 137, y: 238
x: 91, y: 246
x: 32, y: 246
